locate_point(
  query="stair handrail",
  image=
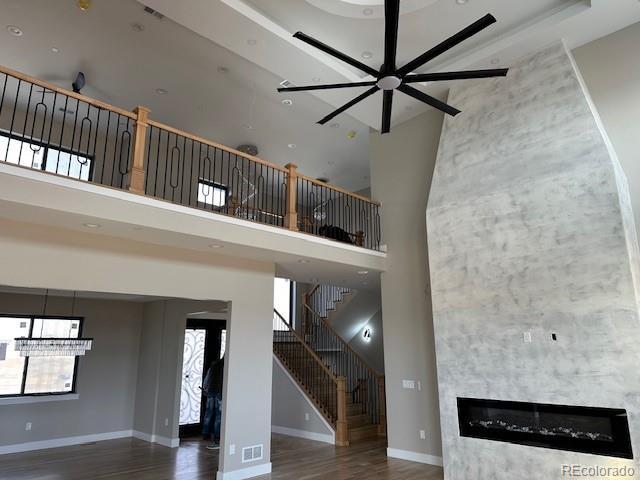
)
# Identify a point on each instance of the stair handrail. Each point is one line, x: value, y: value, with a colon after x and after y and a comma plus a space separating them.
x: 307, y: 347
x: 341, y: 424
x: 344, y: 343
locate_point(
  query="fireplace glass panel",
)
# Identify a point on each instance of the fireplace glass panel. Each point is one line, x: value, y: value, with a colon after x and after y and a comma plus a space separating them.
x: 600, y: 431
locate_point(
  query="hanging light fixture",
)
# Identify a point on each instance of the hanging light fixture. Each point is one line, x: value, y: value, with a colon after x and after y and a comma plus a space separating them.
x: 53, y: 347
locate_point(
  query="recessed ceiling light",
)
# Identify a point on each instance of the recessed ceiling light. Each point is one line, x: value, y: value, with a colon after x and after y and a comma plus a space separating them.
x: 287, y: 101
x: 92, y: 225
x: 161, y: 91
x: 304, y: 260
x: 292, y: 146
x: 363, y: 272
x: 367, y: 54
x: 367, y: 11
x: 334, y: 125
x: 13, y: 30
x: 461, y: 2
x: 55, y: 49
x: 247, y: 126
x: 223, y: 69
x: 213, y: 245
x: 252, y: 41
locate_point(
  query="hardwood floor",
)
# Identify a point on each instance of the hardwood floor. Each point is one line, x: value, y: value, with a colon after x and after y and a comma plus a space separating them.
x: 292, y: 458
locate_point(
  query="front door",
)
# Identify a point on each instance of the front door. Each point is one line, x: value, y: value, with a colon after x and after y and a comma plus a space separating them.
x: 204, y: 342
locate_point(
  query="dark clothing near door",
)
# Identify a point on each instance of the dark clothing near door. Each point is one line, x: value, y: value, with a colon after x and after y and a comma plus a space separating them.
x: 213, y: 380
x: 212, y: 388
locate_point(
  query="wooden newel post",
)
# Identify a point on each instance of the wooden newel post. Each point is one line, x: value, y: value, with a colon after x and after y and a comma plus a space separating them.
x: 291, y: 216
x: 382, y: 405
x: 136, y: 173
x: 342, y: 426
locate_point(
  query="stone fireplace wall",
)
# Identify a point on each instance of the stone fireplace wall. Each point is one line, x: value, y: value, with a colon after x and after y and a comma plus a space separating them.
x: 530, y: 229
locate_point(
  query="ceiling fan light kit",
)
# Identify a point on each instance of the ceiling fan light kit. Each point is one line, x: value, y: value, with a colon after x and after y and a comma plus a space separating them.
x: 390, y: 77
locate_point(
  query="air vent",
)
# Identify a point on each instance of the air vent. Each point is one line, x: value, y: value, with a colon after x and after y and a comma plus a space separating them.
x: 286, y: 84
x: 252, y: 454
x: 153, y: 12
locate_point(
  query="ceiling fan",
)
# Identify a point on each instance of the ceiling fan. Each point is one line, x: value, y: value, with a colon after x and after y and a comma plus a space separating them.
x: 390, y: 77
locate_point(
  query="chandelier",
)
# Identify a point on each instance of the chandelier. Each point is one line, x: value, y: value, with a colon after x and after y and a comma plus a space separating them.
x: 53, y: 347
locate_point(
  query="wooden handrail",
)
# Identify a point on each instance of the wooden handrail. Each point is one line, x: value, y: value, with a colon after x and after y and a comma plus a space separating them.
x: 338, y: 189
x: 213, y: 144
x: 313, y: 354
x: 348, y: 347
x: 69, y: 93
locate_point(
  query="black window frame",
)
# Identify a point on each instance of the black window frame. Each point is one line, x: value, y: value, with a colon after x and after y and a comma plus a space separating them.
x: 74, y: 383
x: 213, y: 184
x: 47, y: 146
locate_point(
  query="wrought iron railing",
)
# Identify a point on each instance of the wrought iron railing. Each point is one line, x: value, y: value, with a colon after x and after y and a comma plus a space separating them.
x: 323, y: 299
x: 47, y: 127
x: 362, y: 381
x: 331, y: 212
x: 304, y: 364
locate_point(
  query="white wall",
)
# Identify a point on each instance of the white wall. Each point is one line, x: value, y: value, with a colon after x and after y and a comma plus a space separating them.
x: 106, y: 381
x: 291, y: 406
x: 611, y: 70
x: 401, y: 168
x: 35, y: 256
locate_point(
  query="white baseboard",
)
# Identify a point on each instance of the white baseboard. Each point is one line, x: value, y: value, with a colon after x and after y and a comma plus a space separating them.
x: 63, y: 442
x: 165, y: 441
x: 249, y: 472
x: 414, y: 456
x: 292, y: 432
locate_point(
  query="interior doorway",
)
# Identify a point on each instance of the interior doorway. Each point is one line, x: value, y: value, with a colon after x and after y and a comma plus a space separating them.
x: 204, y: 342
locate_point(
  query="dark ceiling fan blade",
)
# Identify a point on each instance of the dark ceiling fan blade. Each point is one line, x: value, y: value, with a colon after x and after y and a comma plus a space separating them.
x: 449, y: 43
x: 348, y: 105
x: 391, y: 19
x: 438, y: 77
x: 429, y: 100
x: 335, y: 53
x: 387, y: 105
x: 326, y: 87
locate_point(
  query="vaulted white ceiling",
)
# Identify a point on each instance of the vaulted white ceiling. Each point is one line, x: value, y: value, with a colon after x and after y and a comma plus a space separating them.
x: 260, y: 30
x: 252, y: 39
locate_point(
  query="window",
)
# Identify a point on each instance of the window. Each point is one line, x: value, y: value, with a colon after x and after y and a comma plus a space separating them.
x: 29, y: 153
x: 211, y: 193
x: 36, y: 375
x: 282, y: 301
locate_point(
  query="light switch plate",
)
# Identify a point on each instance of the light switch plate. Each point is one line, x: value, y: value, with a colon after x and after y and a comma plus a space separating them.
x: 423, y: 435
x: 232, y: 449
x: 526, y: 337
x: 408, y: 384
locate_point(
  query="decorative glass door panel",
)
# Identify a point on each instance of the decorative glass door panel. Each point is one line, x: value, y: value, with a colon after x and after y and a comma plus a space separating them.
x: 192, y: 370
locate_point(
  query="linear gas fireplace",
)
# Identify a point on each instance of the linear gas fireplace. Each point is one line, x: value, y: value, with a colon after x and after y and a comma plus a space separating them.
x: 599, y: 431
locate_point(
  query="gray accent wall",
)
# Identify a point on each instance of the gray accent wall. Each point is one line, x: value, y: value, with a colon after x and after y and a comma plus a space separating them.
x: 530, y: 229
x: 107, y: 375
x: 402, y: 164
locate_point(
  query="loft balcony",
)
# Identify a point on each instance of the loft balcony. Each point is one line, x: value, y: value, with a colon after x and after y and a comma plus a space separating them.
x: 66, y: 135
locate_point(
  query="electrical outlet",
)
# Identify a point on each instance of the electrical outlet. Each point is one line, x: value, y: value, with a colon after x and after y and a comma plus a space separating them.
x: 423, y: 435
x: 306, y: 417
x: 232, y: 449
x: 166, y: 422
x: 27, y: 427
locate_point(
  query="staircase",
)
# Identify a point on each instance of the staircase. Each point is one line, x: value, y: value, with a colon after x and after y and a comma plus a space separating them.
x: 348, y: 393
